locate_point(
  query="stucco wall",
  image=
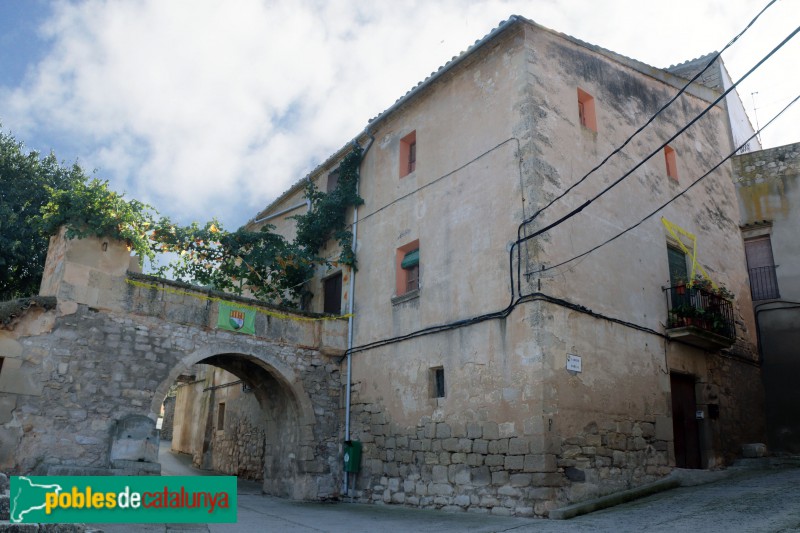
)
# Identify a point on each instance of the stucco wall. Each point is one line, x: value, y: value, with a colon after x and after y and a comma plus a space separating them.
x: 498, y: 136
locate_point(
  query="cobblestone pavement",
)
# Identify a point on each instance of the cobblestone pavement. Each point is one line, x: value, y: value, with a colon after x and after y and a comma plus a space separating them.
x: 760, y: 499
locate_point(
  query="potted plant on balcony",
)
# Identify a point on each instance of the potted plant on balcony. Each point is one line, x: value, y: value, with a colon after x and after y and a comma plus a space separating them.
x: 683, y: 315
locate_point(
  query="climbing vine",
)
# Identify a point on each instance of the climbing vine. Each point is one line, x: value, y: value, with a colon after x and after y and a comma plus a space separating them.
x: 326, y: 218
x: 261, y: 263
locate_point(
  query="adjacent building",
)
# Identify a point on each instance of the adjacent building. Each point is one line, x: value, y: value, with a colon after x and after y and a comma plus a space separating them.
x: 498, y: 368
x: 768, y: 186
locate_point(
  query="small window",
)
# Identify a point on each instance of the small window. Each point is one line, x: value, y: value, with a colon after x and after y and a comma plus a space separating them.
x: 332, y: 291
x: 333, y: 181
x: 671, y: 159
x: 437, y: 382
x: 761, y: 268
x: 407, y: 268
x: 586, y: 112
x: 221, y: 417
x: 1, y: 364
x: 408, y: 154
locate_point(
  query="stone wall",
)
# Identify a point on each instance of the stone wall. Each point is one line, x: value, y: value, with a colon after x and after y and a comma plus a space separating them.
x: 92, y: 365
x: 169, y: 418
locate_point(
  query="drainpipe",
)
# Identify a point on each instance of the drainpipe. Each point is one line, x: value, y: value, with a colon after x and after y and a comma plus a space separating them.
x: 350, y: 305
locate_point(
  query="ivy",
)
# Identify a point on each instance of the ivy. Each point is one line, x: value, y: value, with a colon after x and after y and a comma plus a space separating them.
x: 261, y: 263
x: 264, y: 263
x: 326, y: 218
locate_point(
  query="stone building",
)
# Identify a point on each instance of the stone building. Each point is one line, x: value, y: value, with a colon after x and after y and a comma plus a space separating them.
x: 499, y: 370
x: 768, y: 186
x: 219, y: 422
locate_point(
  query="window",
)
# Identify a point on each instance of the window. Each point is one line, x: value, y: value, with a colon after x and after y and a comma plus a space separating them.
x: 407, y: 268
x: 761, y: 268
x: 677, y: 266
x: 586, y: 112
x: 437, y: 382
x: 332, y: 294
x: 221, y: 417
x: 672, y: 162
x: 1, y: 364
x: 408, y: 154
x: 333, y: 181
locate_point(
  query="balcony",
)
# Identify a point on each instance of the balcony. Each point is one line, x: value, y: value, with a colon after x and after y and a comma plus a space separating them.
x: 699, y: 318
x: 764, y: 283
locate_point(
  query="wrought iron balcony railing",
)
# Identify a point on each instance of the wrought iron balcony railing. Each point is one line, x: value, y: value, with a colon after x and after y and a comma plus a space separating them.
x: 699, y: 317
x: 764, y: 283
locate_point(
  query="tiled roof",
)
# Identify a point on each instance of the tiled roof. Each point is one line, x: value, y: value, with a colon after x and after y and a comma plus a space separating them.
x: 688, y: 69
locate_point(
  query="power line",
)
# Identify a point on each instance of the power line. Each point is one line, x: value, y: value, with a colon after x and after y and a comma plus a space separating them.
x: 657, y: 150
x: 662, y: 206
x: 652, y: 118
x: 539, y: 296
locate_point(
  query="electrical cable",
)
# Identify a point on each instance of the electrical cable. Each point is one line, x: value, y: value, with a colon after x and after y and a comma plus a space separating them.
x: 661, y: 147
x: 539, y: 296
x: 717, y: 55
x: 662, y: 206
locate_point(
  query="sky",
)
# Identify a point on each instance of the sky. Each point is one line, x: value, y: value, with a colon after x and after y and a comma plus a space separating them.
x: 214, y: 108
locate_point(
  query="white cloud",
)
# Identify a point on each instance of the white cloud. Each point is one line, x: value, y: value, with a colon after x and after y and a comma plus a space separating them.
x: 212, y: 108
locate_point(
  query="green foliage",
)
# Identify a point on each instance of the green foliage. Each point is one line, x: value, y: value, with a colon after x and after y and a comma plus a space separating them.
x: 259, y: 261
x: 38, y: 196
x: 91, y: 209
x: 326, y: 218
x: 27, y: 183
x: 262, y: 262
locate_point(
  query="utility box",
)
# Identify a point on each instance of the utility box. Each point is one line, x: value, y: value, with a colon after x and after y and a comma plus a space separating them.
x: 352, y: 455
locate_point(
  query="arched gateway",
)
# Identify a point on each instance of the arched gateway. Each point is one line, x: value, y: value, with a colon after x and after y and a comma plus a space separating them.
x: 88, y: 363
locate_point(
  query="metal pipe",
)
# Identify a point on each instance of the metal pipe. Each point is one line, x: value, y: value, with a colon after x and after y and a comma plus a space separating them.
x: 350, y: 306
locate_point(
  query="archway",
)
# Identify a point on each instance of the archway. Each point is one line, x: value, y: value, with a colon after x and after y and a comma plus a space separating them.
x: 287, y: 417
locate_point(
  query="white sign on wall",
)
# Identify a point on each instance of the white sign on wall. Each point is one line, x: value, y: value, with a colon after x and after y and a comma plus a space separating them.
x: 573, y: 362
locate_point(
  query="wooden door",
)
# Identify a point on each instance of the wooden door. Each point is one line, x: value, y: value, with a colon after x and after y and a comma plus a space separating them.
x: 684, y: 424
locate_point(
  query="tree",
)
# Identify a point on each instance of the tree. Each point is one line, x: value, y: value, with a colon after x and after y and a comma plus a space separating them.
x: 27, y: 183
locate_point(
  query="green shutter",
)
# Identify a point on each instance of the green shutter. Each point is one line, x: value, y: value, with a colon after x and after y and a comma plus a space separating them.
x: 677, y: 266
x: 411, y: 259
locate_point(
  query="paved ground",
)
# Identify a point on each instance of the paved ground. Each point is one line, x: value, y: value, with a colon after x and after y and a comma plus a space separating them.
x: 761, y: 499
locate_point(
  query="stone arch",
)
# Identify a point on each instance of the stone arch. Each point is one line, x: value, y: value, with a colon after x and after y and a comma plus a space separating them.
x: 287, y: 408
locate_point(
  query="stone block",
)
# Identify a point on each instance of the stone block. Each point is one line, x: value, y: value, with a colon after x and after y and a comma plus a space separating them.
x: 498, y: 446
x: 754, y: 450
x: 480, y: 446
x: 663, y: 427
x: 440, y: 489
x: 514, y: 462
x: 518, y: 446
x: 439, y: 474
x: 494, y: 460
x: 474, y: 430
x: 461, y: 475
x: 491, y: 430
x: 450, y: 444
x: 540, y: 463
x: 443, y: 430
x: 474, y: 459
x: 520, y: 480
x: 481, y: 475
x: 458, y: 458
x: 500, y: 477
x: 507, y: 429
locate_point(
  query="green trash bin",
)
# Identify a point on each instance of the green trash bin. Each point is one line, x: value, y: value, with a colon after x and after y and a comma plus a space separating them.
x: 352, y: 455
